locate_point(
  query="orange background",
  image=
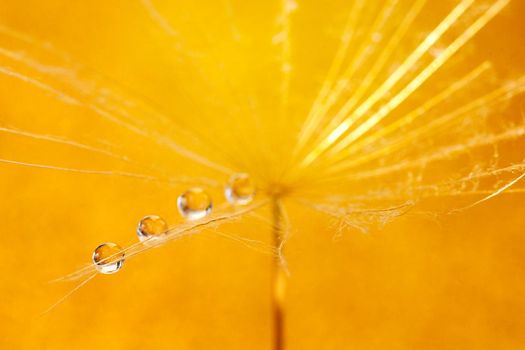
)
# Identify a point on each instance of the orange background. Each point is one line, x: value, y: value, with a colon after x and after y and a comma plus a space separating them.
x: 452, y: 283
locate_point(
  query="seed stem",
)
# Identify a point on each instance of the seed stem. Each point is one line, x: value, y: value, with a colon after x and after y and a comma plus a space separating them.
x: 278, y: 280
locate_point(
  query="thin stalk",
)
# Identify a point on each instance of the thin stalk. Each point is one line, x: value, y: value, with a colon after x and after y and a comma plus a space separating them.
x: 278, y: 281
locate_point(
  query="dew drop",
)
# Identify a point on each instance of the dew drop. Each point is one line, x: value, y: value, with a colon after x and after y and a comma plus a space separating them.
x: 194, y: 204
x: 151, y: 228
x: 240, y: 189
x: 108, y: 258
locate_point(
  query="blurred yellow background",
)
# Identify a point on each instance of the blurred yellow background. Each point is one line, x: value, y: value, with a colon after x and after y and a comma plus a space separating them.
x: 456, y: 282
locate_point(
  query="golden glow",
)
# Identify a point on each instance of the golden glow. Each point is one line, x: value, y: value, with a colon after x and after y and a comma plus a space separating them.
x: 347, y: 115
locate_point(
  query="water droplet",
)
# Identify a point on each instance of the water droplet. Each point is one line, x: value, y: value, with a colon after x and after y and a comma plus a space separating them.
x: 151, y: 228
x: 108, y: 258
x: 194, y: 204
x: 240, y: 189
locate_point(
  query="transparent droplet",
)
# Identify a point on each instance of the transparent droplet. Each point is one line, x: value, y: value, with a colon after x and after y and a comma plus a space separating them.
x: 240, y: 189
x: 151, y: 228
x: 194, y: 204
x: 108, y: 258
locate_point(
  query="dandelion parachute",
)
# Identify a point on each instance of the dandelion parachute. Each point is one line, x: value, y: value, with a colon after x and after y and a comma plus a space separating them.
x: 402, y: 98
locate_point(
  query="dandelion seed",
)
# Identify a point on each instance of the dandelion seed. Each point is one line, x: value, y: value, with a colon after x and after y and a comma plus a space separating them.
x: 363, y: 154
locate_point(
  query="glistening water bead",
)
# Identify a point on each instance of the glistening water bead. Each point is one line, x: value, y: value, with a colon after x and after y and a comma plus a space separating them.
x: 194, y: 204
x: 151, y: 228
x: 108, y: 258
x: 240, y: 189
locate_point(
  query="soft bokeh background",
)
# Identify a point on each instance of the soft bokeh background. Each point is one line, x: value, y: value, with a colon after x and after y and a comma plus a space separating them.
x: 453, y: 283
